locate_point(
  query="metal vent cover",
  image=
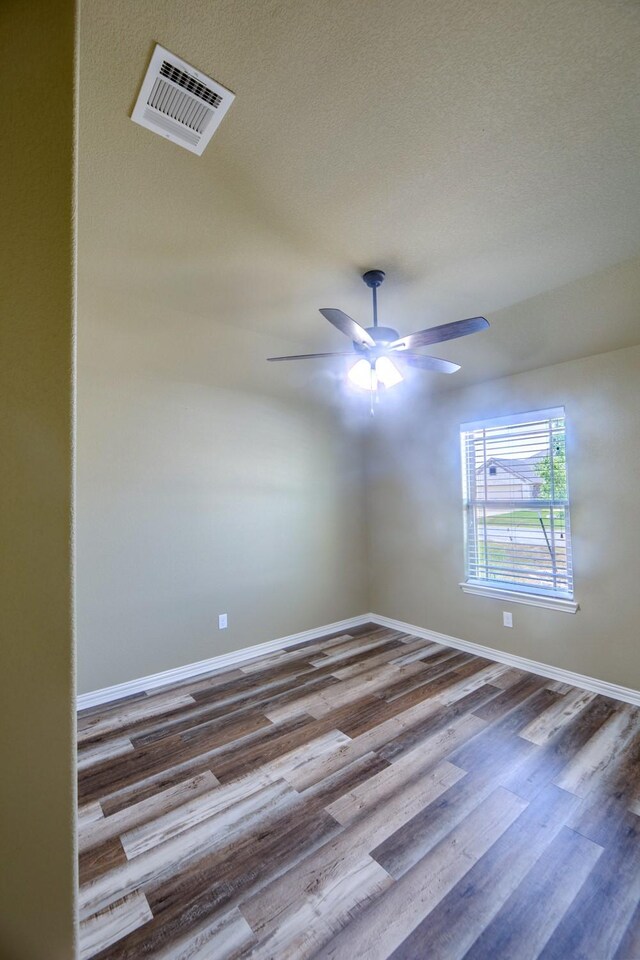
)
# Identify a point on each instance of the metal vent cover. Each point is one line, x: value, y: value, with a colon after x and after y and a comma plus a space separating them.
x: 179, y: 103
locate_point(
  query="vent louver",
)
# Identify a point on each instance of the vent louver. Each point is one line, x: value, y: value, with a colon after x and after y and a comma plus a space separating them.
x: 179, y: 103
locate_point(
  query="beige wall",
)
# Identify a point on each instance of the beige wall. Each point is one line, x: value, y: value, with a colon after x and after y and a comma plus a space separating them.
x: 199, y: 494
x: 36, y: 324
x: 209, y: 481
x: 416, y: 528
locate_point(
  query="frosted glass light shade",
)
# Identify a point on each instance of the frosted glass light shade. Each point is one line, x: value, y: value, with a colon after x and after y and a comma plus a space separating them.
x: 366, y: 376
x: 388, y: 373
x: 361, y: 374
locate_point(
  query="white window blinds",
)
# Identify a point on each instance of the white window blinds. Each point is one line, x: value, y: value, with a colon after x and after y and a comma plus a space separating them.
x: 516, y: 503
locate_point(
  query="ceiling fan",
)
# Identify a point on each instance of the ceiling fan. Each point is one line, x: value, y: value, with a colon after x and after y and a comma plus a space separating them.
x: 374, y: 346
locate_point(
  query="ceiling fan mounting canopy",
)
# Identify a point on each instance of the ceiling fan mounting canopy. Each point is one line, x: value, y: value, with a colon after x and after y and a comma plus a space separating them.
x: 373, y: 278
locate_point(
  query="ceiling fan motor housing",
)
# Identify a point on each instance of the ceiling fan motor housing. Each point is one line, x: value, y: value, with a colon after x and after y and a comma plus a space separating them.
x: 382, y: 337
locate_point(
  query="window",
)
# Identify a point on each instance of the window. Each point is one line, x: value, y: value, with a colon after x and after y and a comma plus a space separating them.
x: 517, y: 533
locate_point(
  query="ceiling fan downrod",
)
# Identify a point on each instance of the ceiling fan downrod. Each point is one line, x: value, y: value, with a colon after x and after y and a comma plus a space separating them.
x: 373, y: 279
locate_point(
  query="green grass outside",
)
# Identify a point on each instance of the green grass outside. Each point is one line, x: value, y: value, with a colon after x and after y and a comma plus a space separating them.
x: 499, y: 557
x: 496, y: 554
x: 528, y: 518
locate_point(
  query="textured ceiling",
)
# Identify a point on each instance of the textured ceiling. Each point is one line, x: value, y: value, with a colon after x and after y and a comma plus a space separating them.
x: 482, y: 153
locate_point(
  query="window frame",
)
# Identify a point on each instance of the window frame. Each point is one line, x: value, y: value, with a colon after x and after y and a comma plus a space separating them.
x: 532, y: 595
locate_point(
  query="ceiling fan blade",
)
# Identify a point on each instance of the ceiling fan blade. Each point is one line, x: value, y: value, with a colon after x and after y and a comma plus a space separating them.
x: 446, y: 331
x: 312, y: 356
x: 425, y: 363
x: 348, y: 326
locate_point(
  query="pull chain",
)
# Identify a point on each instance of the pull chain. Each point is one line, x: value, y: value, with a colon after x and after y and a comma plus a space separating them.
x: 374, y: 388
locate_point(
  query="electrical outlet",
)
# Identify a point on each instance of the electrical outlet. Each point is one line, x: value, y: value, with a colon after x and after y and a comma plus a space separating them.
x: 222, y: 621
x: 507, y: 619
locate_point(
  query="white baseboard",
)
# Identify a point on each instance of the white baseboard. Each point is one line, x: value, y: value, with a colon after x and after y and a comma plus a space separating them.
x: 224, y: 661
x: 613, y: 690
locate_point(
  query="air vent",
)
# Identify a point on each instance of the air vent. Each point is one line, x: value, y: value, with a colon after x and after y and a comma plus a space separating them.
x: 179, y: 103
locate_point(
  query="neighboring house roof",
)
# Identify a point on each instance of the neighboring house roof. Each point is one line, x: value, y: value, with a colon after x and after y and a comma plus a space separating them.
x: 525, y: 469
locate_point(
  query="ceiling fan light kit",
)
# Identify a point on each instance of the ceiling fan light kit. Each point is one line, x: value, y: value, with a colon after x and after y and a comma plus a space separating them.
x: 374, y: 346
x: 383, y: 371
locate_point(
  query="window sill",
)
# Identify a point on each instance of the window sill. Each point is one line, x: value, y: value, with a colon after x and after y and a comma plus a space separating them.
x: 516, y: 596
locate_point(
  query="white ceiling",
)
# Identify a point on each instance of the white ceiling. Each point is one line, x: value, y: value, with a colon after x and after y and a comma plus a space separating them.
x: 481, y: 153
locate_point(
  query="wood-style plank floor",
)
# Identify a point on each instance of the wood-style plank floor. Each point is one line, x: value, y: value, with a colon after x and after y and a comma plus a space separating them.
x: 371, y: 796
